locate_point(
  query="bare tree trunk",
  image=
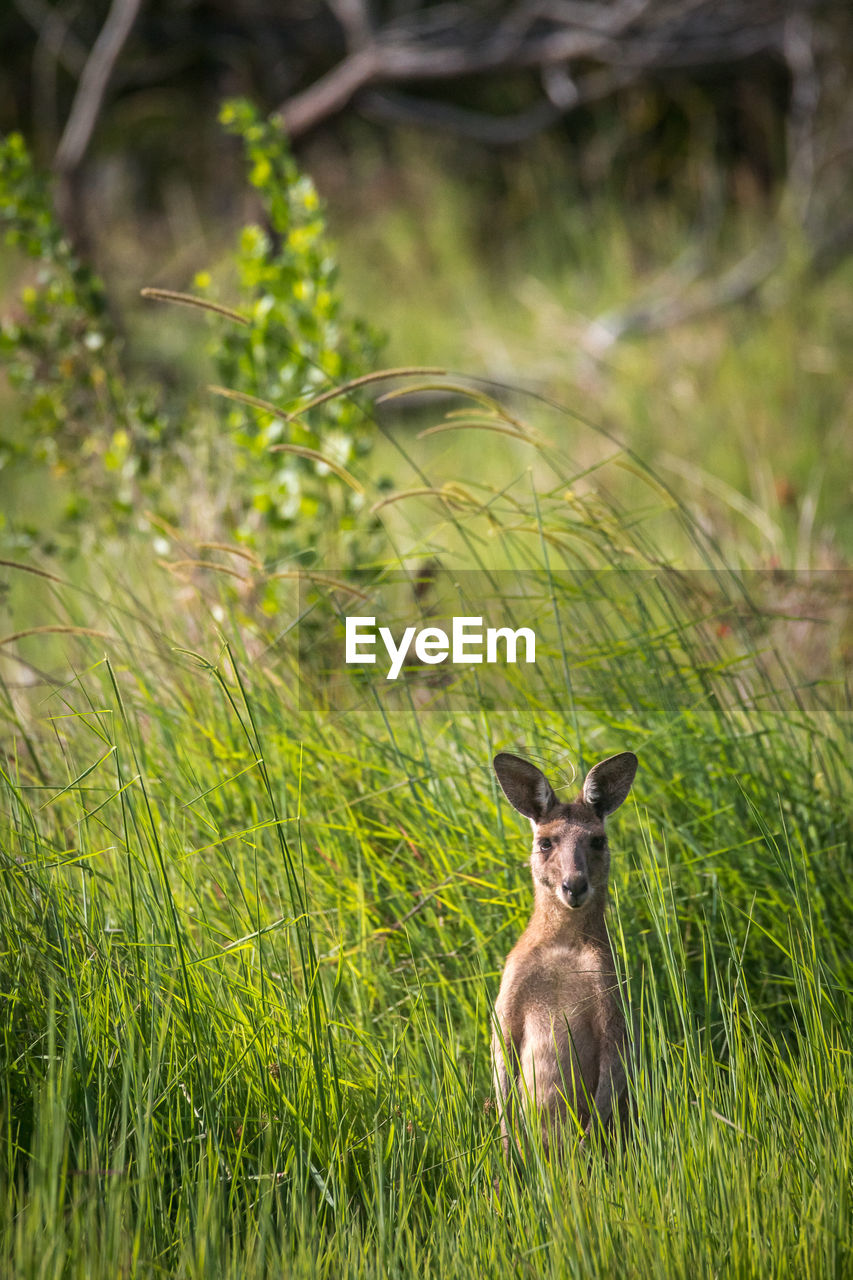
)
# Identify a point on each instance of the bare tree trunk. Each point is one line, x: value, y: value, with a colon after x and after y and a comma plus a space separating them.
x: 83, y: 117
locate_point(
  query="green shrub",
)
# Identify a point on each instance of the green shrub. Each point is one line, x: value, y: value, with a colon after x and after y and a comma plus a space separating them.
x: 85, y: 419
x: 297, y: 345
x: 78, y: 413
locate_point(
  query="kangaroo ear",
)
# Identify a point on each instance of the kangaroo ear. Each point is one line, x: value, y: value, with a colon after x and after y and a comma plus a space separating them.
x: 525, y: 787
x: 608, y: 783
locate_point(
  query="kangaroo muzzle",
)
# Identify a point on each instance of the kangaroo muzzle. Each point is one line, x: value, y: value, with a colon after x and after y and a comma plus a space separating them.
x: 575, y: 890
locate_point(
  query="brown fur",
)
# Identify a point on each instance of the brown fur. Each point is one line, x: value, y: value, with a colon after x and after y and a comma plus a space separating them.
x: 559, y: 1047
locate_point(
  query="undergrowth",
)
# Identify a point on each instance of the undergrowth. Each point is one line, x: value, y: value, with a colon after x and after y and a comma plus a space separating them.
x: 254, y: 909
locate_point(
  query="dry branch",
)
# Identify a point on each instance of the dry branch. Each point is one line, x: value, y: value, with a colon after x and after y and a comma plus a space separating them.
x: 736, y: 284
x: 86, y: 107
x: 89, y: 97
x: 630, y: 38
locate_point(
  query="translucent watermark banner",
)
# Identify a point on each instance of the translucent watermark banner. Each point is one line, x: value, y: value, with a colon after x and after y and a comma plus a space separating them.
x: 625, y: 641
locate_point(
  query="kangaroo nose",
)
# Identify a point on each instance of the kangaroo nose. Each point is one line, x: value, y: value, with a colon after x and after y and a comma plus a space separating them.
x: 575, y: 888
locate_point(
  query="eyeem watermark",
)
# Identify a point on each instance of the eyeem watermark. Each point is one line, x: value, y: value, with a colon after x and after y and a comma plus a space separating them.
x: 465, y: 644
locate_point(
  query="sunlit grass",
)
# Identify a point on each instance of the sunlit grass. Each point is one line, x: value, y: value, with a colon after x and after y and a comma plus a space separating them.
x: 253, y: 916
x: 743, y: 408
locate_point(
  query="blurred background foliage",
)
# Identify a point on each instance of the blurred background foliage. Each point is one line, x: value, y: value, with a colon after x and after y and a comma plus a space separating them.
x: 640, y: 209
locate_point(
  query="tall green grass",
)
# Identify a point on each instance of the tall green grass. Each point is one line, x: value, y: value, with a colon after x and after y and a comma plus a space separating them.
x: 254, y: 913
x: 742, y: 407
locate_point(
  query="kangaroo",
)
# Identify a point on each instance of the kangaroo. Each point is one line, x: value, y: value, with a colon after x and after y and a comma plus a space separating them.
x: 559, y: 1046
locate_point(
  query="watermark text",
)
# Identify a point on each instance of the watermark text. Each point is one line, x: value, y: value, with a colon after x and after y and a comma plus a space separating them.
x: 468, y: 642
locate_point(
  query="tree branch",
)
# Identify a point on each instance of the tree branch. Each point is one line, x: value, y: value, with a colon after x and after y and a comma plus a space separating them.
x: 491, y: 130
x: 478, y: 126
x: 85, y: 109
x: 89, y: 97
x: 354, y: 18
x: 399, y: 54
x: 737, y: 284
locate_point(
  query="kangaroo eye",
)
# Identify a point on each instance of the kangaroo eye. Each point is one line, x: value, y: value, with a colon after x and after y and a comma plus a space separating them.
x: 598, y: 842
x: 545, y: 845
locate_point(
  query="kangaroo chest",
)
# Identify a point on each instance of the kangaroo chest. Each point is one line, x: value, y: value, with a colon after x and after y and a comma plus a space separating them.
x: 555, y: 999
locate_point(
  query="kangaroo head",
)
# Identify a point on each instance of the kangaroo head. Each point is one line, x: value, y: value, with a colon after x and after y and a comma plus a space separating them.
x: 570, y: 855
